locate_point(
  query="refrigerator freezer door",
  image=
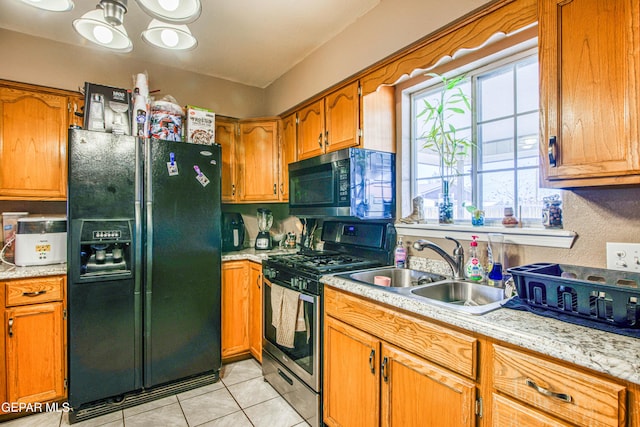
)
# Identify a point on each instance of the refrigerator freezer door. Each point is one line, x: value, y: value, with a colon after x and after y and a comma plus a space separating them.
x: 182, y: 273
x: 105, y: 347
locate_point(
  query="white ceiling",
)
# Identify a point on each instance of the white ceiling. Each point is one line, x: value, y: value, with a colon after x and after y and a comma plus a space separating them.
x: 246, y: 41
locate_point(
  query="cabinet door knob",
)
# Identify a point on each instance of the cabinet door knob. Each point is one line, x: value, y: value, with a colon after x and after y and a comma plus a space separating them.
x: 11, y: 326
x: 560, y: 396
x: 552, y: 152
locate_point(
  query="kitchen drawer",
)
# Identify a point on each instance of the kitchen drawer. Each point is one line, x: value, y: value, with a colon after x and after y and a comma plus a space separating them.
x: 441, y: 345
x: 509, y: 413
x: 34, y: 291
x: 582, y: 399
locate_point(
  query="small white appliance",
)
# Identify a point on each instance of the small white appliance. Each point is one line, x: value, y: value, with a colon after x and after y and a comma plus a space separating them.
x: 41, y: 241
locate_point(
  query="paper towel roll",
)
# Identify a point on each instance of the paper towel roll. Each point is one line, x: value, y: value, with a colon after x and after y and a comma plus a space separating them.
x: 142, y: 86
x: 141, y: 116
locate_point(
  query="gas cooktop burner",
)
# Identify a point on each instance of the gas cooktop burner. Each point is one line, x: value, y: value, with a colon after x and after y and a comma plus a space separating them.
x: 322, y: 261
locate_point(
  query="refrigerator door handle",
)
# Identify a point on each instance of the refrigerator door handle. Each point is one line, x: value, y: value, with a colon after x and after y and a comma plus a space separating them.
x: 139, y: 197
x: 148, y: 201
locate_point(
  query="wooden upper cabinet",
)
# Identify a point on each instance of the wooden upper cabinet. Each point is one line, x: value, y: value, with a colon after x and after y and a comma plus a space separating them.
x: 257, y: 158
x: 342, y: 123
x: 590, y: 89
x: 226, y: 132
x: 33, y: 143
x: 288, y: 148
x: 330, y: 124
x: 311, y: 130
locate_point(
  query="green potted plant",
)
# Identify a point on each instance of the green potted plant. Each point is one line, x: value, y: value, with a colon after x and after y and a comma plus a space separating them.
x: 441, y: 136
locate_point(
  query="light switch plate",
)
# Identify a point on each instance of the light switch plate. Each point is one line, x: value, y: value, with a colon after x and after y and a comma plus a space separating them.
x: 623, y: 256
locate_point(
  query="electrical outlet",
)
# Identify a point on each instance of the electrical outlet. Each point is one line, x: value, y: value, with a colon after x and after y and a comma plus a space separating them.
x: 623, y: 256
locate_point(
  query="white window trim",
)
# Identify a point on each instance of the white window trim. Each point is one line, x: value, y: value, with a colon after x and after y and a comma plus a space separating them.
x: 530, y: 236
x: 552, y: 238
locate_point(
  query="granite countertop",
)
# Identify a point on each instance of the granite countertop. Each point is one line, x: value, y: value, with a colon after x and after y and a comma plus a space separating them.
x: 8, y: 272
x: 254, y: 255
x: 609, y: 353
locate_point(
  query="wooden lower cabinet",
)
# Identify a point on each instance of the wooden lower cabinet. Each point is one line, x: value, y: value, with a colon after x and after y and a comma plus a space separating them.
x: 35, y: 340
x: 255, y: 307
x: 35, y: 354
x: 418, y: 393
x: 235, y: 308
x: 371, y: 382
x: 241, y: 309
x: 351, y: 376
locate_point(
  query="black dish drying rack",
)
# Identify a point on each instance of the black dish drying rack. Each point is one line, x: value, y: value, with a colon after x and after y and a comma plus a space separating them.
x: 601, y: 295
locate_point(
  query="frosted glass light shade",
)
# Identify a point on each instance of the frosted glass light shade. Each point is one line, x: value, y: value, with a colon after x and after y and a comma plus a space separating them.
x: 174, y: 11
x: 51, y: 5
x: 94, y: 28
x: 168, y: 36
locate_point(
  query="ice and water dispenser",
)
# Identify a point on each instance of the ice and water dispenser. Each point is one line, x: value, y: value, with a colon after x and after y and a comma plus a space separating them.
x: 106, y: 248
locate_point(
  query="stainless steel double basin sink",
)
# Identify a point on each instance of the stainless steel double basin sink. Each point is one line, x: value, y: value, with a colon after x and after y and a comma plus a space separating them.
x: 459, y: 295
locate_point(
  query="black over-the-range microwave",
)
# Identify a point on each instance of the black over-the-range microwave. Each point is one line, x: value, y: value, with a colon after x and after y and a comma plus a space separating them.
x: 352, y: 182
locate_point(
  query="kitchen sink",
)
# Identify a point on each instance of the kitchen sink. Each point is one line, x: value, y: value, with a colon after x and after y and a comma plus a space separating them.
x: 471, y: 297
x: 400, y: 277
x: 459, y: 295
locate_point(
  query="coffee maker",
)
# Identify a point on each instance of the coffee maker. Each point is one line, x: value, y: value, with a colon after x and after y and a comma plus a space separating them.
x: 265, y: 220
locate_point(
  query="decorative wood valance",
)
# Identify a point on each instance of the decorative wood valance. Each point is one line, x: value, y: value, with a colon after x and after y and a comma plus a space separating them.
x: 503, y: 16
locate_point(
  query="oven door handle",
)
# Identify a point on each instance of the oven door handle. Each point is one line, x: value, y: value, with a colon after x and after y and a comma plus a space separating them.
x: 307, y: 298
x: 304, y: 297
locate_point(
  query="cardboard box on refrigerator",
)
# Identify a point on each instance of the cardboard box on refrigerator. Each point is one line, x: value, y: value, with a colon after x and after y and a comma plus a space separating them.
x: 200, y: 125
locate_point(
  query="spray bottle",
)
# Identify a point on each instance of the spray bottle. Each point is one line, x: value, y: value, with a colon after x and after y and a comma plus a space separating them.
x: 400, y: 255
x: 473, y: 268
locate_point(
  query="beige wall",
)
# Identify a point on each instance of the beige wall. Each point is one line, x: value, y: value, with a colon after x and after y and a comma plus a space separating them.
x: 384, y: 30
x: 596, y: 215
x: 43, y: 62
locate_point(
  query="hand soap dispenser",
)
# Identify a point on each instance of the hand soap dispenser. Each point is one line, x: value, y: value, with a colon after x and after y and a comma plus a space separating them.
x: 473, y: 268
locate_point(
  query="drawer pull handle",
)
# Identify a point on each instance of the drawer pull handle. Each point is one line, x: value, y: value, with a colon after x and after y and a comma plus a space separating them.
x: 560, y: 396
x: 372, y: 366
x: 34, y: 294
x: 385, y: 373
x: 10, y: 327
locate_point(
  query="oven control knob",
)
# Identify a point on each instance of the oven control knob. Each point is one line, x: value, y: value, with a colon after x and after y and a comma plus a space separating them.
x: 294, y: 282
x: 269, y: 272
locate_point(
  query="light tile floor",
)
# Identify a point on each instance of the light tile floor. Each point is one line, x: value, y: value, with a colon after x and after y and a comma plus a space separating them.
x: 241, y: 399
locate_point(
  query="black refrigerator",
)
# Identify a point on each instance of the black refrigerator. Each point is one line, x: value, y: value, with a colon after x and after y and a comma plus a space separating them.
x: 144, y: 245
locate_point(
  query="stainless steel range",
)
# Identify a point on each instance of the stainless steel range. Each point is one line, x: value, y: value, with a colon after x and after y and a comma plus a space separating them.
x: 292, y: 356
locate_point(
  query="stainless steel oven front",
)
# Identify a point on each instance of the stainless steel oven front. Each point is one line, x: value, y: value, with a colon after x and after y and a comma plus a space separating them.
x: 295, y: 372
x: 304, y: 358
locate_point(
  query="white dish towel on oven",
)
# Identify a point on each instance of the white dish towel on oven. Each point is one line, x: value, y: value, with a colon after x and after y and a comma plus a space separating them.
x: 287, y: 314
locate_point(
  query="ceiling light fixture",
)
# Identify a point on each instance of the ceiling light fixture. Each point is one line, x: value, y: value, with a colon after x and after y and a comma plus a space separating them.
x: 168, y: 36
x: 104, y: 25
x: 94, y: 27
x: 173, y: 11
x: 51, y: 5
